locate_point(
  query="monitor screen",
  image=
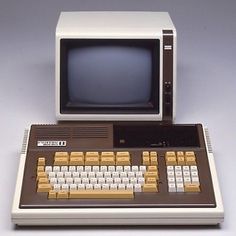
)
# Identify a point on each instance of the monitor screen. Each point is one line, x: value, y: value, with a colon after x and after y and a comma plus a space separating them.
x: 109, y: 75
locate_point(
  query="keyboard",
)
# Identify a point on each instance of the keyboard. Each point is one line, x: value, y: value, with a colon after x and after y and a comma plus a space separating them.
x: 94, y: 175
x: 77, y: 170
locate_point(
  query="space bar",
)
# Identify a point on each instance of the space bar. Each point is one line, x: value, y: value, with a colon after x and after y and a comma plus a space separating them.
x: 101, y: 194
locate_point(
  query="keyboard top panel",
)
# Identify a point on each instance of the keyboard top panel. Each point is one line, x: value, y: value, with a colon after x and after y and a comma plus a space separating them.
x: 164, y: 190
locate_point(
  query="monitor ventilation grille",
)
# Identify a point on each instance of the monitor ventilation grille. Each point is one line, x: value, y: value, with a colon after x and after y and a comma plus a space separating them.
x: 90, y: 132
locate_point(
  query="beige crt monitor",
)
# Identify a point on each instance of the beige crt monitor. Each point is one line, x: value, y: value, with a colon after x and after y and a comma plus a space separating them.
x: 115, y: 157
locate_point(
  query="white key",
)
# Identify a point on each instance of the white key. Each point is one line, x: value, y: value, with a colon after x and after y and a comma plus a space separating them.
x: 171, y: 187
x: 195, y: 180
x: 83, y: 175
x: 109, y: 180
x: 129, y: 186
x: 93, y: 181
x: 119, y: 169
x: 51, y: 175
x: 64, y: 168
x: 73, y: 187
x: 65, y: 187
x: 111, y: 169
x: 80, y: 169
x: 193, y: 168
x: 178, y: 173
x: 53, y: 181
x: 125, y: 181
x: 117, y: 180
x: 87, y: 169
x: 56, y: 169
x: 141, y: 180
x: 96, y: 169
x: 187, y: 180
x: 67, y: 174
x: 142, y: 169
x: 134, y: 169
x: 105, y: 186
x: 171, y: 173
x: 126, y: 169
x: 91, y: 175
x: 194, y: 174
x: 85, y: 180
x: 131, y: 174
x: 121, y: 186
x: 99, y: 174
x: 178, y: 168
x: 48, y: 169
x: 107, y: 175
x: 170, y: 168
x: 60, y: 174
x: 88, y: 186
x: 137, y: 188
x: 56, y: 187
x: 171, y: 180
x: 133, y: 180
x: 101, y: 180
x: 81, y: 186
x: 61, y: 180
x: 97, y: 186
x: 77, y: 180
x: 185, y: 168
x: 75, y: 174
x: 123, y: 174
x: 139, y: 174
x: 113, y: 186
x: 69, y: 180
x: 186, y: 173
x: 115, y: 174
x: 180, y: 187
x: 103, y: 169
x: 179, y: 180
x: 72, y: 168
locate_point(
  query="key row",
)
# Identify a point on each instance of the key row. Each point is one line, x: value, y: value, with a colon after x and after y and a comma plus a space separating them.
x: 180, y: 158
x: 183, y: 187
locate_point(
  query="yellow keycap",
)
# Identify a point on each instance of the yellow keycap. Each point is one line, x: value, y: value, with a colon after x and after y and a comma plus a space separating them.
x: 122, y: 161
x: 190, y: 153
x: 44, y: 188
x: 146, y: 160
x: 151, y: 180
x: 61, y: 154
x: 52, y: 194
x: 119, y: 194
x: 40, y: 169
x: 107, y: 161
x: 153, y: 160
x: 190, y: 160
x: 153, y: 154
x: 122, y: 154
x: 43, y: 181
x: 152, y: 168
x: 170, y: 154
x: 62, y: 194
x: 61, y: 161
x: 145, y: 154
x: 191, y: 187
x: 151, y: 174
x: 77, y: 154
x: 180, y: 159
x: 171, y: 161
x: 41, y: 175
x: 41, y: 161
x: 77, y: 161
x: 92, y: 161
x: 107, y: 154
x: 149, y: 188
x: 91, y: 154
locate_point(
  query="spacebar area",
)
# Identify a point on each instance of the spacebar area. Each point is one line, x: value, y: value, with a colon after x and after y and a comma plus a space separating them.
x: 101, y: 194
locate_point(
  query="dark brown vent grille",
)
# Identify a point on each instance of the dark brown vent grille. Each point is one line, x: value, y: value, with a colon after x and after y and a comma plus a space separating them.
x: 46, y: 132
x: 90, y: 132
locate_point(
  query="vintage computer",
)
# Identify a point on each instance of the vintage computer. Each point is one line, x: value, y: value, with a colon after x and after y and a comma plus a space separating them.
x: 115, y: 157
